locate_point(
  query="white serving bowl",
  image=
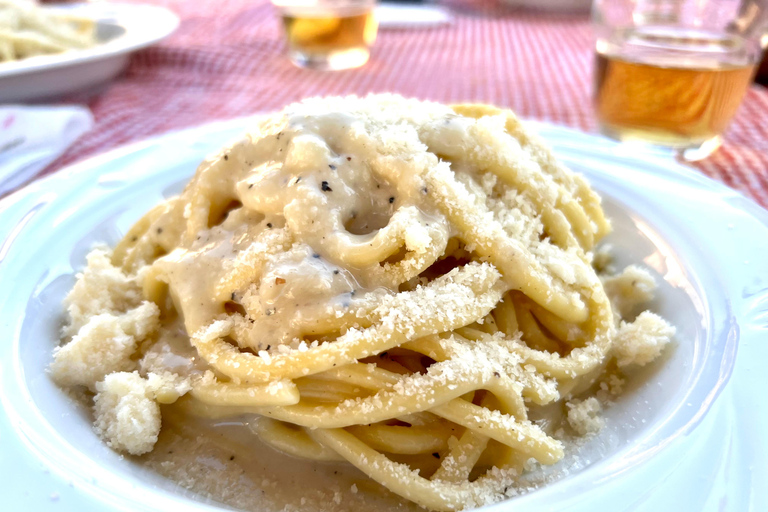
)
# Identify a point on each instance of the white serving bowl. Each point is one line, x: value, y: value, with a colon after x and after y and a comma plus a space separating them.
x: 662, y: 216
x: 121, y: 29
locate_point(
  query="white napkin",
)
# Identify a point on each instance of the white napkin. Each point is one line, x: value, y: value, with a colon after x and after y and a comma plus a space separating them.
x: 405, y: 16
x: 33, y: 137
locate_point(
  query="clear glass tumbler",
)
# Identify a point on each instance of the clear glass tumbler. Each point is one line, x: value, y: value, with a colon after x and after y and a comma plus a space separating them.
x: 328, y: 34
x: 672, y: 73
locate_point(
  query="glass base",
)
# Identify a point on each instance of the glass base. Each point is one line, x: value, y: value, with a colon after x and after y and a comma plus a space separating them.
x: 331, y: 61
x: 683, y: 149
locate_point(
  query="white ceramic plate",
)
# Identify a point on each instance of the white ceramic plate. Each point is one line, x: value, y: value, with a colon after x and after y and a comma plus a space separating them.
x: 688, y: 438
x: 121, y: 29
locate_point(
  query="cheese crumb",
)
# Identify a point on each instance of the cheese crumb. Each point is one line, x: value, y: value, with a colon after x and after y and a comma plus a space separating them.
x: 633, y: 286
x: 642, y: 341
x: 103, y: 345
x: 101, y: 288
x: 584, y: 416
x: 126, y: 417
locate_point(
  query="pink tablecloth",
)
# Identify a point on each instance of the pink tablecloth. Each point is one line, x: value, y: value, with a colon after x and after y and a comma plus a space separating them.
x: 226, y: 61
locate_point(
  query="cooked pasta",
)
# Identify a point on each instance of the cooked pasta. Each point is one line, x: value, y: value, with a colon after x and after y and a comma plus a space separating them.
x: 27, y: 30
x: 383, y: 281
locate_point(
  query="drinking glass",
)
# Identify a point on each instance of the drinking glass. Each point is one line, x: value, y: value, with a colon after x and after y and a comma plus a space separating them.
x: 328, y: 34
x: 672, y: 73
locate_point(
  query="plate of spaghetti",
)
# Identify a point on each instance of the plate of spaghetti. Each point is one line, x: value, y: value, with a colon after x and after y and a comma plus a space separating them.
x: 362, y: 303
x: 48, y: 51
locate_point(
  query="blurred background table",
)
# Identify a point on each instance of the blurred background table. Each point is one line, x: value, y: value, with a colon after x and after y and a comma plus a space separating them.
x: 227, y: 60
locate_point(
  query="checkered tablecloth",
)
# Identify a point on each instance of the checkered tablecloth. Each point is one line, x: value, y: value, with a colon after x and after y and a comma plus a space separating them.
x: 226, y: 60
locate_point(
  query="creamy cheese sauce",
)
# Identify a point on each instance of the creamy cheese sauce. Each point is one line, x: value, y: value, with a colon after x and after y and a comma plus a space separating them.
x: 302, y: 181
x: 226, y: 461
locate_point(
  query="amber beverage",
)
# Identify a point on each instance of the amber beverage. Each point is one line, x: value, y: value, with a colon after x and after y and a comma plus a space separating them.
x: 682, y: 98
x: 670, y: 74
x: 329, y: 36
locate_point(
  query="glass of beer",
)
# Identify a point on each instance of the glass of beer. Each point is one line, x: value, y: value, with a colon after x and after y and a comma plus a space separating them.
x: 672, y: 73
x: 328, y: 34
